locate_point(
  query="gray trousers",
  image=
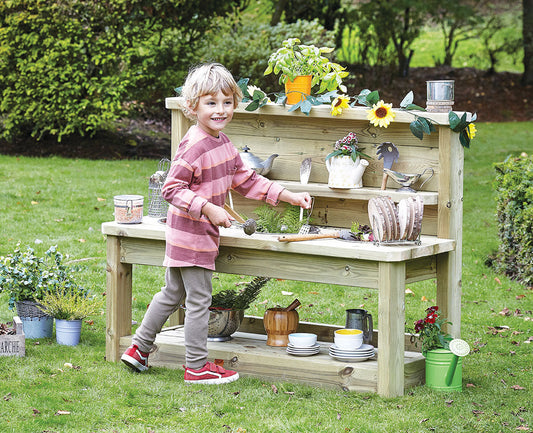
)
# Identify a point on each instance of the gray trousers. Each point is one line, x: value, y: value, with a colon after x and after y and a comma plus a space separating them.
x: 195, y: 282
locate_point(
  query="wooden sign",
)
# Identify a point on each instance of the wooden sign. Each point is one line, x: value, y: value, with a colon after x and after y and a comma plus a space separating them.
x: 13, y: 345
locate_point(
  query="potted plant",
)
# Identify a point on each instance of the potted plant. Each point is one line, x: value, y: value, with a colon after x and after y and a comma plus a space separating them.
x: 27, y: 278
x: 435, y: 347
x: 294, y: 60
x: 227, y: 309
x: 69, y: 307
x: 345, y: 165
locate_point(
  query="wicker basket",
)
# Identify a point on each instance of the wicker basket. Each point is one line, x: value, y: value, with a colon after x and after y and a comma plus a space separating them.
x: 30, y: 309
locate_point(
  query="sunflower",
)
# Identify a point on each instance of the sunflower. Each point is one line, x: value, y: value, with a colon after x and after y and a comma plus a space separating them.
x: 471, y: 130
x: 338, y: 104
x: 381, y: 114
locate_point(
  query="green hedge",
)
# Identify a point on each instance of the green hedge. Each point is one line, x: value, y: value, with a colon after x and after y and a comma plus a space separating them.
x: 74, y: 66
x: 514, y: 187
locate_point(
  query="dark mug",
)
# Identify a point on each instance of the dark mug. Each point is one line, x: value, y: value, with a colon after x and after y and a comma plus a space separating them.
x: 357, y: 318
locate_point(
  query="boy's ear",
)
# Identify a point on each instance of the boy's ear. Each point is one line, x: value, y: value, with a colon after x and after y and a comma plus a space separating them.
x: 189, y: 108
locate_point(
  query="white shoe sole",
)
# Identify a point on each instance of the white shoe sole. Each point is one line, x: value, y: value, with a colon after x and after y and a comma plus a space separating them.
x: 218, y: 381
x: 133, y: 363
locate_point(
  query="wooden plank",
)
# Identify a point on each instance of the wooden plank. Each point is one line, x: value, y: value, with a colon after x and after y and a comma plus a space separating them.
x: 323, y: 111
x: 450, y: 225
x: 118, y: 299
x: 286, y: 166
x: 391, y: 323
x: 294, y: 266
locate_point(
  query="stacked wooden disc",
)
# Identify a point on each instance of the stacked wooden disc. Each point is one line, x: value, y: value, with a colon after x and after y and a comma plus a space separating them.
x: 393, y: 223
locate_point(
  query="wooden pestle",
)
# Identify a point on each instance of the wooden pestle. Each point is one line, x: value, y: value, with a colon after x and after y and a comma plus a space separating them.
x: 294, y: 304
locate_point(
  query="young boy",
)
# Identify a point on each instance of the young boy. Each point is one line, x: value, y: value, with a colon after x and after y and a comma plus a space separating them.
x: 206, y: 166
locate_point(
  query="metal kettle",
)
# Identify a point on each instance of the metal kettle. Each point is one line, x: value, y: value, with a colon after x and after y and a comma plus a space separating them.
x: 255, y: 163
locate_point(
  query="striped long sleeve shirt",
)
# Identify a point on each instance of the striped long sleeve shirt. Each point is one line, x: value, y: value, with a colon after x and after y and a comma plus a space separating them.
x: 204, y: 169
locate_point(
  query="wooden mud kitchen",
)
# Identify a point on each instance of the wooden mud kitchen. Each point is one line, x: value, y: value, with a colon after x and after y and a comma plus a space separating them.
x: 384, y: 267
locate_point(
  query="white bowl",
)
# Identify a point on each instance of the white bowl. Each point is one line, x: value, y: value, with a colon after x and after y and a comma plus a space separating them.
x: 302, y: 339
x: 348, y: 339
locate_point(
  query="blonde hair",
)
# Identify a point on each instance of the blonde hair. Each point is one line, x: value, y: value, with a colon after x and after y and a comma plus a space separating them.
x: 208, y: 79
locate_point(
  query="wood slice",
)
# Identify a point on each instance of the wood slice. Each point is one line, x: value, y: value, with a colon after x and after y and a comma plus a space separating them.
x: 411, y: 210
x: 404, y: 218
x: 387, y: 218
x: 419, y: 204
x: 375, y: 215
x: 416, y: 220
x: 393, y: 212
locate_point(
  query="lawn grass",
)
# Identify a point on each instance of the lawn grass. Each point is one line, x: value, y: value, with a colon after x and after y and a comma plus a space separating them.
x: 64, y: 201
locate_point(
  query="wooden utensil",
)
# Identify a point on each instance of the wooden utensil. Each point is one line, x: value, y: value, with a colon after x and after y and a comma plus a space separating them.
x: 234, y: 214
x: 389, y: 152
x: 338, y: 234
x: 293, y: 305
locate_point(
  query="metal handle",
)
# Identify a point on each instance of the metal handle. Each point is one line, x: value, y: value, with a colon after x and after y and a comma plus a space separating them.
x: 432, y: 173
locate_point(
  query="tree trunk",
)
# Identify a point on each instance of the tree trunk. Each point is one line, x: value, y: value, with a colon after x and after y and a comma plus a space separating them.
x: 276, y: 16
x: 527, y: 32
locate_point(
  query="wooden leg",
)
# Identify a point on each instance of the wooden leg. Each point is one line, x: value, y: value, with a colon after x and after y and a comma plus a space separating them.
x: 449, y: 293
x: 118, y: 296
x: 391, y: 325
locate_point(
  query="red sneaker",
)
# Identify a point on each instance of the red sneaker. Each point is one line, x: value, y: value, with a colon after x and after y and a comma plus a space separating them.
x: 135, y: 359
x: 210, y: 373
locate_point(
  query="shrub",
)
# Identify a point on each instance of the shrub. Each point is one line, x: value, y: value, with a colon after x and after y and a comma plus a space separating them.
x: 514, y: 186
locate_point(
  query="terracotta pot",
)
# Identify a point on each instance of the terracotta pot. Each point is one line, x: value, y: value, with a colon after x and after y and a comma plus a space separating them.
x: 279, y: 324
x: 301, y: 83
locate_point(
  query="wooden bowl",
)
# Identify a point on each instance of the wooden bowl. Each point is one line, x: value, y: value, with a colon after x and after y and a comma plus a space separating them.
x: 279, y: 324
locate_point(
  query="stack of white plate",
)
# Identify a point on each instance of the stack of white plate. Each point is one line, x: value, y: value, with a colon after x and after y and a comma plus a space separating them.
x: 303, y: 351
x: 365, y: 352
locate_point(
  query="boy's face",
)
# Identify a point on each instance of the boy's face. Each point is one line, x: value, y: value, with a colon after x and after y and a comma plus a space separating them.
x: 214, y: 112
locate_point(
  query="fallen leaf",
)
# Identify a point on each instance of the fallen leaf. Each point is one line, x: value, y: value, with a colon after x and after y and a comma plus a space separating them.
x: 81, y: 240
x: 313, y: 293
x: 409, y: 292
x: 7, y: 397
x: 448, y: 402
x: 517, y: 387
x: 264, y: 302
x: 505, y: 312
x: 518, y: 297
x: 423, y: 420
x: 100, y: 199
x: 470, y: 385
x: 284, y: 293
x: 339, y: 415
x: 523, y: 428
x: 274, y: 389
x: 62, y: 412
x: 34, y: 202
x: 498, y: 280
x: 477, y: 412
x: 424, y: 299
x: 35, y: 411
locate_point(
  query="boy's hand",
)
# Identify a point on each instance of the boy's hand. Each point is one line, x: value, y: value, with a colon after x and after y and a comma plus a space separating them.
x: 217, y: 215
x: 302, y: 199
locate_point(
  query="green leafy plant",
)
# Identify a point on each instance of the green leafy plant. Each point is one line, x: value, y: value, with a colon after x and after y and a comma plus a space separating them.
x: 293, y: 59
x: 67, y: 304
x: 271, y: 220
x: 239, y: 300
x: 430, y: 332
x: 29, y: 277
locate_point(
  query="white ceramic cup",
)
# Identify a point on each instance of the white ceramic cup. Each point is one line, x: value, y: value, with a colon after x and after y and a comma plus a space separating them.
x: 348, y: 339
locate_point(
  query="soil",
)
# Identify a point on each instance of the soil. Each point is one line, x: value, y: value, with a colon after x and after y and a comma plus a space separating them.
x: 494, y: 97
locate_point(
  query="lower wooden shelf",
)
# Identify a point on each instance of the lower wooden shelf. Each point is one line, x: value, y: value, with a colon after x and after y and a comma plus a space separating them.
x: 248, y: 354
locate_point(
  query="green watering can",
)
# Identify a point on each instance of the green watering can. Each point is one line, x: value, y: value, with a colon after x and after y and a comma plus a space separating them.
x: 459, y: 348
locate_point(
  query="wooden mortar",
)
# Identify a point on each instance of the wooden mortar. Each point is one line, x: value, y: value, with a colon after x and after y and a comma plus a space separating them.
x: 279, y: 324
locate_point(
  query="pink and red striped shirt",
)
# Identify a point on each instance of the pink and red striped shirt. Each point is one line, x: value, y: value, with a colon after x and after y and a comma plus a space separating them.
x: 204, y: 169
